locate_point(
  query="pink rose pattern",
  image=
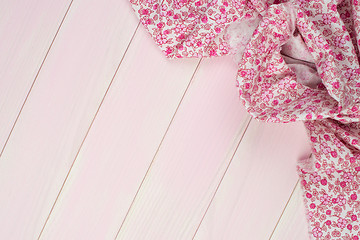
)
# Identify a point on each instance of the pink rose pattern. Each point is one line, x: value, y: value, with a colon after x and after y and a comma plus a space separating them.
x: 301, y: 62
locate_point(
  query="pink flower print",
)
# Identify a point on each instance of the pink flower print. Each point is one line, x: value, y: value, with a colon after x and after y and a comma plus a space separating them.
x: 341, y: 200
x: 251, y: 73
x: 209, y: 37
x: 180, y: 3
x: 302, y: 3
x: 323, y: 181
x: 164, y: 7
x: 325, y: 199
x: 320, y: 42
x: 350, y: 74
x: 303, y: 25
x: 333, y: 154
x: 339, y: 57
x: 339, y: 42
x: 353, y: 196
x: 337, y: 143
x: 243, y: 73
x: 168, y: 51
x: 264, y: 22
x: 161, y: 39
x: 336, y: 85
x: 348, y: 177
x: 317, y: 232
x: 224, y: 48
x: 341, y: 223
x: 261, y: 49
x: 236, y: 3
x: 314, y: 177
x: 217, y: 29
x: 326, y: 19
x: 190, y: 41
x: 266, y: 96
x: 144, y: 11
x: 311, y: 108
x: 333, y: 7
x: 180, y: 28
x: 220, y: 18
x: 169, y: 13
x: 212, y: 52
x: 204, y: 19
x: 271, y: 68
x: 265, y: 86
x: 326, y: 66
x: 160, y: 25
x: 325, y: 148
x: 284, y: 83
x: 309, y: 125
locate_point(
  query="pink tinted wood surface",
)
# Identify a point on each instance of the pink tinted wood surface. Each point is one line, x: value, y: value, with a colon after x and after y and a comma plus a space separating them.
x: 59, y: 111
x: 293, y: 224
x: 192, y: 158
x: 27, y: 29
x: 121, y: 144
x: 258, y: 183
x: 126, y: 134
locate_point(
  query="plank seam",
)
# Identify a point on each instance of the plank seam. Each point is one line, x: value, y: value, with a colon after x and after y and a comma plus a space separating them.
x: 87, y: 132
x: 36, y: 76
x: 222, y: 177
x: 282, y: 213
x: 157, y: 150
x: 287, y: 203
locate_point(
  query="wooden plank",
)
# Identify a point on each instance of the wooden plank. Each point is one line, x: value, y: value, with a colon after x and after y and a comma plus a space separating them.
x: 27, y: 29
x: 59, y: 111
x: 192, y: 158
x: 293, y: 223
x: 121, y: 144
x: 258, y: 183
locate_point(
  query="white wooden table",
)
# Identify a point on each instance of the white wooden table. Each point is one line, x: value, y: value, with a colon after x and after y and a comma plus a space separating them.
x: 102, y: 137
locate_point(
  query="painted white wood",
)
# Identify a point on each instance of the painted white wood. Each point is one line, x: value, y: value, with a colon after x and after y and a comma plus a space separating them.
x: 126, y: 135
x: 192, y: 158
x: 121, y: 144
x: 27, y: 29
x: 258, y: 183
x: 293, y: 224
x: 58, y: 112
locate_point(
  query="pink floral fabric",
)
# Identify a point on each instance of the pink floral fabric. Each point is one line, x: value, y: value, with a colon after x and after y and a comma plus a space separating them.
x: 297, y: 60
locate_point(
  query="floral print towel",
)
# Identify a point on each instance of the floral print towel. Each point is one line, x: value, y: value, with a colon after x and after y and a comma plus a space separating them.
x: 297, y: 60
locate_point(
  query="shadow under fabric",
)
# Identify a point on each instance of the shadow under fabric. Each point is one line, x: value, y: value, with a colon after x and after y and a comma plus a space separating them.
x: 297, y: 60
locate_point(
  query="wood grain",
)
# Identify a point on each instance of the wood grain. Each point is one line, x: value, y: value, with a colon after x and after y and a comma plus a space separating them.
x: 293, y: 223
x: 27, y: 29
x: 258, y: 183
x: 121, y: 144
x: 58, y: 112
x: 192, y: 158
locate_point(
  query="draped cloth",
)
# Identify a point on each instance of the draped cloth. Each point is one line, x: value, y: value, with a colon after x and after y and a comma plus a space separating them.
x: 297, y: 61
